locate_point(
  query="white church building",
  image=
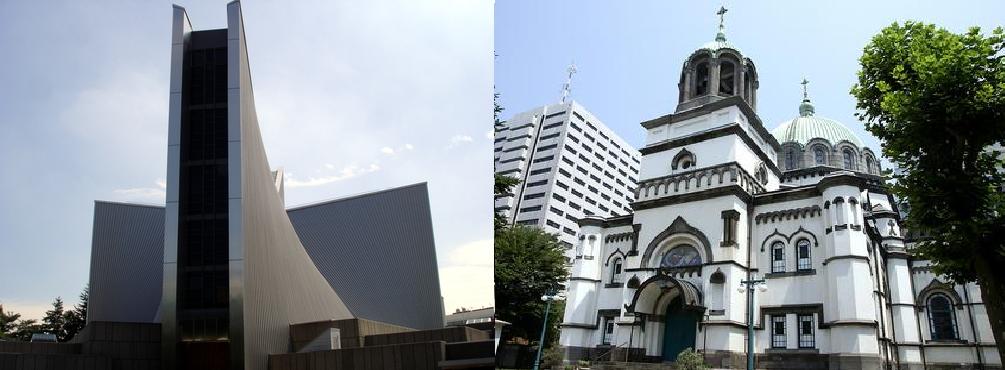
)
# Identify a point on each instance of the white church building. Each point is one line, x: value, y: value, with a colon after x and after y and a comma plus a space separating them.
x: 721, y: 200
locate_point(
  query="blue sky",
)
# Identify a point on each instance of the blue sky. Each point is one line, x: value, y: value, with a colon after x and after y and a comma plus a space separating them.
x: 629, y: 54
x: 352, y: 96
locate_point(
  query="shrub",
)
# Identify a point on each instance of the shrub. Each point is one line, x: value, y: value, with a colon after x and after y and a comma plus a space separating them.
x: 689, y: 359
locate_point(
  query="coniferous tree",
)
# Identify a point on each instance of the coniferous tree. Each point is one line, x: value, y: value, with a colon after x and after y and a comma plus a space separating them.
x: 54, y: 321
x: 76, y: 319
x: 8, y: 323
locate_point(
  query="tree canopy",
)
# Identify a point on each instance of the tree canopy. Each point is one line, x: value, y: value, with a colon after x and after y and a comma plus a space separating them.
x: 936, y: 100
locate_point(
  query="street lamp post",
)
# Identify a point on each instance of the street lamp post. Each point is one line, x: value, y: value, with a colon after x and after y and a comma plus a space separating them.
x: 748, y: 286
x: 548, y: 297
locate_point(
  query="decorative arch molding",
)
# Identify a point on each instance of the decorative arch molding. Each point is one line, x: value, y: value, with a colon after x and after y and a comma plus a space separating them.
x: 616, y: 251
x: 937, y: 286
x: 690, y: 293
x: 682, y: 154
x: 774, y: 236
x: 804, y: 234
x: 679, y: 226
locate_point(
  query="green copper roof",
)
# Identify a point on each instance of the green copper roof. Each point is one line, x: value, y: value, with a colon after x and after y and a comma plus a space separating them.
x: 806, y: 127
x: 718, y: 44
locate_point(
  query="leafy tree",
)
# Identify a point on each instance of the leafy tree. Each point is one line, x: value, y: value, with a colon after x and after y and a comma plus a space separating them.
x: 24, y: 329
x: 528, y: 263
x: 8, y: 323
x: 937, y: 101
x: 54, y: 321
x: 76, y: 319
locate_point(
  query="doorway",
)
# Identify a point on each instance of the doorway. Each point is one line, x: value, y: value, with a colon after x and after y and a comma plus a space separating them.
x: 679, y: 330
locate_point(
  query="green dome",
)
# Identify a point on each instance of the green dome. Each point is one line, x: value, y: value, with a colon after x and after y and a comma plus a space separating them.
x: 806, y: 127
x: 719, y: 44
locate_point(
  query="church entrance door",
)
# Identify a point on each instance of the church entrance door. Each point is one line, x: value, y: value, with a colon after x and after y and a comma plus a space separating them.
x: 679, y: 331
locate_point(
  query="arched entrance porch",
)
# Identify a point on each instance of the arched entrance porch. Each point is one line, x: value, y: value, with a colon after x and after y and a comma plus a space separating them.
x: 672, y: 308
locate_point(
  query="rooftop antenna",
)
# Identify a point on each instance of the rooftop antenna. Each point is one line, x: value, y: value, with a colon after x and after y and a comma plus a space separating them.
x: 721, y: 36
x: 567, y: 88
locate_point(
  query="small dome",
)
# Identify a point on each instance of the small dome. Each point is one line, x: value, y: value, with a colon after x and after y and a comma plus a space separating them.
x: 802, y: 129
x: 717, y: 44
x: 807, y: 127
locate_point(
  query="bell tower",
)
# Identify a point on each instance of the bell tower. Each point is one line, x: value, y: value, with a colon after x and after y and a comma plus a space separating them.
x: 715, y: 71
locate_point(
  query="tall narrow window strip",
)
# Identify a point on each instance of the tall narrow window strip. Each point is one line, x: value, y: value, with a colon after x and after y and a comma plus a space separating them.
x: 616, y: 270
x: 778, y: 339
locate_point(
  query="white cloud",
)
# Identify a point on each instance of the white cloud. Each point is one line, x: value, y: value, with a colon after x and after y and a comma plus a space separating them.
x: 409, y: 146
x: 387, y: 150
x: 466, y: 276
x: 490, y: 134
x: 347, y: 172
x: 144, y: 194
x: 458, y: 140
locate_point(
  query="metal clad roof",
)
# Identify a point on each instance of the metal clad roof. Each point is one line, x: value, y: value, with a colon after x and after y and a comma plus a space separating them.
x: 127, y: 255
x: 377, y: 251
x: 804, y: 128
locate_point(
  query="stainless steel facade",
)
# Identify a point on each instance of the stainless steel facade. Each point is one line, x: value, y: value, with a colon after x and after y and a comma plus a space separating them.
x: 126, y: 256
x: 377, y: 251
x: 391, y: 226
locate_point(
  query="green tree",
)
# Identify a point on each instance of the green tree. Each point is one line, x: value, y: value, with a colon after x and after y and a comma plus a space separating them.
x: 528, y: 263
x: 936, y: 99
x: 76, y: 319
x: 54, y: 321
x: 25, y: 328
x: 8, y: 323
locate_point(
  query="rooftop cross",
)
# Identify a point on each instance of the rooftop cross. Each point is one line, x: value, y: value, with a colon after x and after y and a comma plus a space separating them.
x: 721, y: 36
x: 567, y: 88
x: 806, y: 108
x: 804, y: 83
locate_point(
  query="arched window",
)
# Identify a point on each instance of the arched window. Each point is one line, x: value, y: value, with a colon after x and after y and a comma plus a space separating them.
x: 716, y: 289
x: 777, y: 257
x: 681, y: 256
x: 849, y: 159
x: 941, y: 317
x: 790, y: 159
x: 803, y: 261
x: 727, y: 78
x: 819, y: 155
x: 683, y: 160
x: 869, y: 164
x: 616, y: 270
x: 747, y: 80
x: 761, y: 174
x: 701, y: 79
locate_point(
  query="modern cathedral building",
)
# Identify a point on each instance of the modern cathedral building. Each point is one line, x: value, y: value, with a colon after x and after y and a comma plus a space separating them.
x: 223, y: 276
x: 721, y: 200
